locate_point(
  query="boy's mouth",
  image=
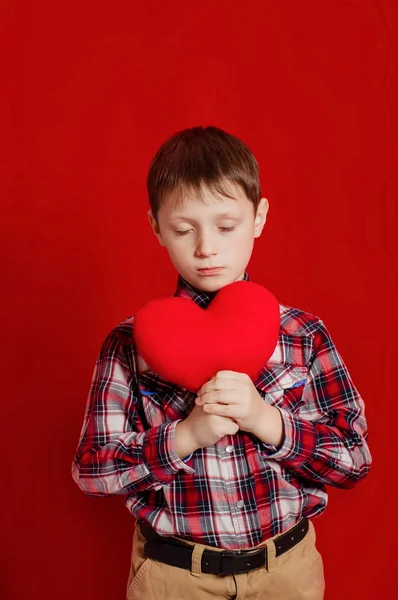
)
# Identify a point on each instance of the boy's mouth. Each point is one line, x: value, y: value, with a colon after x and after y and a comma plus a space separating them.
x: 210, y: 271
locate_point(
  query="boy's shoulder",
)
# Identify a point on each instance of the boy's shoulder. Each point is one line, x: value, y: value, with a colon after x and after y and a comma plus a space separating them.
x: 293, y: 321
x: 124, y: 331
x: 298, y: 322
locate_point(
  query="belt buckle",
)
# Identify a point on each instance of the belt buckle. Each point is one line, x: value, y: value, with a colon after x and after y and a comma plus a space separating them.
x: 228, y: 558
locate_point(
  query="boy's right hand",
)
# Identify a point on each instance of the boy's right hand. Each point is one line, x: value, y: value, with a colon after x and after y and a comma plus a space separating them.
x: 200, y: 429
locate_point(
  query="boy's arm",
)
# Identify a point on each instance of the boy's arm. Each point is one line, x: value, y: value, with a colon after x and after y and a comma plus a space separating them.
x: 329, y: 445
x: 115, y: 454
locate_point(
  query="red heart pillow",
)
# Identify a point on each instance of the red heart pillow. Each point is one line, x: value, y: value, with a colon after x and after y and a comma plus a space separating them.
x: 187, y: 344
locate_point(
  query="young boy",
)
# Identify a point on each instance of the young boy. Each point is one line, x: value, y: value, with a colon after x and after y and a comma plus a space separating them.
x: 223, y: 483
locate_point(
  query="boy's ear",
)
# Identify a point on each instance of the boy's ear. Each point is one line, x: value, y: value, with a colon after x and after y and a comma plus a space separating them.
x: 261, y: 217
x: 155, y: 227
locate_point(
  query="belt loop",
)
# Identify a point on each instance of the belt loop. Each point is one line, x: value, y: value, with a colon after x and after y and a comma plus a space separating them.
x: 196, y: 560
x: 311, y: 526
x: 271, y: 556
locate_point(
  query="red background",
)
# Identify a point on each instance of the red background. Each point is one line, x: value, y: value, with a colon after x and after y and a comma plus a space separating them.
x: 88, y: 93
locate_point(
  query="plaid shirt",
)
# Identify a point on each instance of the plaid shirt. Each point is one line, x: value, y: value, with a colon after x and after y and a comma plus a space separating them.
x: 239, y: 491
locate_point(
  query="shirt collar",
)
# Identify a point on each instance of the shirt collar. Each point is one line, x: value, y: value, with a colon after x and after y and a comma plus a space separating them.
x: 201, y: 298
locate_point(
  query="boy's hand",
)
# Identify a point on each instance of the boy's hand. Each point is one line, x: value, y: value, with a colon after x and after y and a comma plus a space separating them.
x: 200, y: 429
x: 232, y: 394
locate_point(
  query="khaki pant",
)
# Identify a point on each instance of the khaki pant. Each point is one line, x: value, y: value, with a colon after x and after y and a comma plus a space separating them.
x: 295, y: 575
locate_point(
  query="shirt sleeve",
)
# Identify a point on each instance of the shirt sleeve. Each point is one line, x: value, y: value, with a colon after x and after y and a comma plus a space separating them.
x: 327, y: 442
x: 115, y: 454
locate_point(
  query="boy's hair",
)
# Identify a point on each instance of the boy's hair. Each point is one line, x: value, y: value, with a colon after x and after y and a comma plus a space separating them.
x: 202, y: 157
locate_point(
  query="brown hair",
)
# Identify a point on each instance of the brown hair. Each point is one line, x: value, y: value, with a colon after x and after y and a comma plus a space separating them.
x: 202, y: 157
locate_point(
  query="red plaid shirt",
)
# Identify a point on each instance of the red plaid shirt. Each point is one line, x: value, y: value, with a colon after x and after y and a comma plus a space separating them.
x: 239, y: 491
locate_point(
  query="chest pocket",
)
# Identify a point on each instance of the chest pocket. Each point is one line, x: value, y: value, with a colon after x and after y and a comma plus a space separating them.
x: 161, y: 400
x: 282, y: 385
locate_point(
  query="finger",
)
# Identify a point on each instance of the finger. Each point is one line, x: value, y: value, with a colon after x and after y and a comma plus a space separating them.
x: 210, y: 396
x: 231, y: 374
x: 217, y: 397
x: 217, y: 383
x: 215, y: 389
x: 222, y: 410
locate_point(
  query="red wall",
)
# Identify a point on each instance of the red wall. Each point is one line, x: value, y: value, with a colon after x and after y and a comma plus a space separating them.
x: 89, y: 92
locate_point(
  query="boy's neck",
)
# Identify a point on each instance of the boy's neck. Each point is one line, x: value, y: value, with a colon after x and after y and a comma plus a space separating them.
x: 202, y: 297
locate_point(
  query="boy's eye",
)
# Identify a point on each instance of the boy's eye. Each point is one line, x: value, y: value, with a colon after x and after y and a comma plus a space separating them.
x: 223, y: 229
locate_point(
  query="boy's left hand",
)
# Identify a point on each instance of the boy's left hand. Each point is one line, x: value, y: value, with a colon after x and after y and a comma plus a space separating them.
x: 232, y: 394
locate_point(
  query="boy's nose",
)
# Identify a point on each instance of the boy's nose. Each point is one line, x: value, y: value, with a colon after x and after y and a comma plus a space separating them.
x: 205, y: 247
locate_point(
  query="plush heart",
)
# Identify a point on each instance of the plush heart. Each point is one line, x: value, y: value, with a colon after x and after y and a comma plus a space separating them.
x: 187, y: 345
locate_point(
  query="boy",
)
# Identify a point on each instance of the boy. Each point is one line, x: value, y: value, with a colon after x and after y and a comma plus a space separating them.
x: 222, y: 483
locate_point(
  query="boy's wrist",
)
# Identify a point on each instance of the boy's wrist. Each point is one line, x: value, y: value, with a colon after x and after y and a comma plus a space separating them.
x: 184, y: 442
x: 270, y: 429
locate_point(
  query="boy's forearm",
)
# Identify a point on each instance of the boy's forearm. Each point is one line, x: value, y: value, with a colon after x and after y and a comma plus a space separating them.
x: 270, y: 428
x: 184, y: 443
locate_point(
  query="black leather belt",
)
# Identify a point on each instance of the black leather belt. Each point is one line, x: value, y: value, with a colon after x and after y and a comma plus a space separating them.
x: 178, y: 553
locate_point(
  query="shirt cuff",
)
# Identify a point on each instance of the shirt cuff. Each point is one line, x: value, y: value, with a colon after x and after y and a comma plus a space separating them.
x: 299, y: 441
x: 159, y: 455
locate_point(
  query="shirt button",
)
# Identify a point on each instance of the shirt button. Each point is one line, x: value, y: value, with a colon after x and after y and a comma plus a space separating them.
x: 240, y: 503
x: 229, y: 449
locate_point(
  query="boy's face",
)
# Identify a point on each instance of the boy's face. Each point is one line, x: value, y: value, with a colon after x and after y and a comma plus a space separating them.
x: 215, y: 231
